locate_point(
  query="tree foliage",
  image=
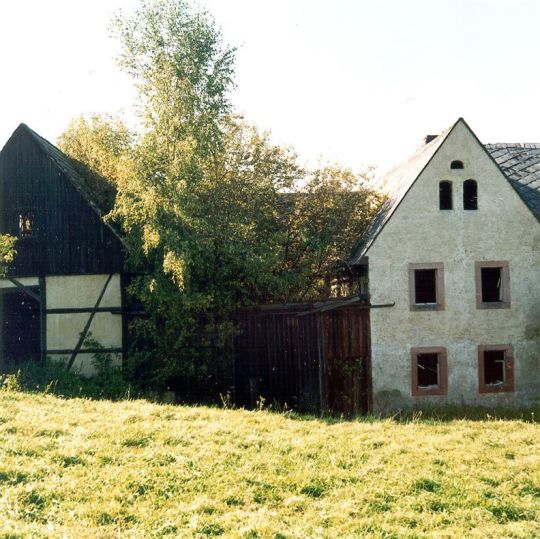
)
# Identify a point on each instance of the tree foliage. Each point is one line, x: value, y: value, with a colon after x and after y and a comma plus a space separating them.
x: 103, y: 143
x: 217, y: 214
x: 7, y: 252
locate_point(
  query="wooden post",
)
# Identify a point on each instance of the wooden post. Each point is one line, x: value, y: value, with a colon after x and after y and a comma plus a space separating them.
x: 322, y: 363
x: 43, y: 319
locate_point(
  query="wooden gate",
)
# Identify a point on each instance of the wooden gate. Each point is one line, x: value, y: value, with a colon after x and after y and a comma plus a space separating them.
x: 312, y: 357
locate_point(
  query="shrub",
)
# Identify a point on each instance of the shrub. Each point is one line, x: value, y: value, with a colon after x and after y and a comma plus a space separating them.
x: 52, y: 377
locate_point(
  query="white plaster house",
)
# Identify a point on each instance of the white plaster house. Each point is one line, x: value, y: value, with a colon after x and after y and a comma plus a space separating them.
x: 456, y: 249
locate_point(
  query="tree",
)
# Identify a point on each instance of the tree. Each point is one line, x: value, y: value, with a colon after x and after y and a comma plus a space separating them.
x: 326, y: 216
x: 103, y: 143
x: 218, y: 215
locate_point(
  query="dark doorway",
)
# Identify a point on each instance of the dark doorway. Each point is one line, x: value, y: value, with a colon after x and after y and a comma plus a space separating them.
x: 20, y: 327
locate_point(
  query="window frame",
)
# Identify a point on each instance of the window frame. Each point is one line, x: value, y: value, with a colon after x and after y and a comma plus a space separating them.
x: 506, y: 302
x: 442, y: 387
x: 508, y: 385
x: 19, y: 212
x: 439, y: 286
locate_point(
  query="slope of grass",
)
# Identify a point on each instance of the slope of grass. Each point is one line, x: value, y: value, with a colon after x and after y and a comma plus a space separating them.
x: 89, y: 469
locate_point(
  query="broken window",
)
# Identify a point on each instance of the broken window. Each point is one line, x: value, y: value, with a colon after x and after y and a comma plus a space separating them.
x: 429, y: 371
x: 492, y: 285
x: 456, y: 165
x: 426, y: 290
x: 26, y: 224
x: 495, y: 368
x: 445, y: 195
x: 470, y: 195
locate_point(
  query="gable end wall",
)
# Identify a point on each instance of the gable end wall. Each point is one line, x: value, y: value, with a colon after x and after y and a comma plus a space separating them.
x: 502, y: 228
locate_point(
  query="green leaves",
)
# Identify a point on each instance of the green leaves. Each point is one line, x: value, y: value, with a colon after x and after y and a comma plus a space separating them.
x: 214, y: 213
x: 7, y: 252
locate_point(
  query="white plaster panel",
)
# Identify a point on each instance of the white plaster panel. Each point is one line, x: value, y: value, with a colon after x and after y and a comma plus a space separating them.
x: 502, y: 228
x: 63, y: 330
x: 82, y: 291
x: 26, y: 281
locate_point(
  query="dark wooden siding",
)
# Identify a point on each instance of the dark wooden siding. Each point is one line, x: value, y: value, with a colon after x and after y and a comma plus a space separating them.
x: 308, y: 359
x: 69, y: 236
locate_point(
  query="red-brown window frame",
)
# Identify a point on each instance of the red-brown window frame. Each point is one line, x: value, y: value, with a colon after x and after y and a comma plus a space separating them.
x: 505, y: 274
x: 508, y: 385
x: 442, y: 388
x: 439, y: 306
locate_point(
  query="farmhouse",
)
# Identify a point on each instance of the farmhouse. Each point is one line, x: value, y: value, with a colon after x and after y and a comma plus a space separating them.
x: 456, y: 249
x: 62, y: 296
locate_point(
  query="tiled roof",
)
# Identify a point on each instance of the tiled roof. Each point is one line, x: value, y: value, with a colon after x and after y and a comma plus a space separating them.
x: 520, y: 164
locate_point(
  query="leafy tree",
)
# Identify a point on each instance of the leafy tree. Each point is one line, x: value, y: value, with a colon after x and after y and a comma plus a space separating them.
x: 103, y: 143
x: 218, y: 215
x: 326, y: 216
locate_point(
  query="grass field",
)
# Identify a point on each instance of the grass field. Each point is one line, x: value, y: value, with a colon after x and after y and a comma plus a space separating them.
x: 88, y: 469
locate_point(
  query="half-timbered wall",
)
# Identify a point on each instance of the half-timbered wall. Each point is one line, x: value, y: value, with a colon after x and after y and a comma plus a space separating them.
x: 70, y: 306
x: 70, y: 301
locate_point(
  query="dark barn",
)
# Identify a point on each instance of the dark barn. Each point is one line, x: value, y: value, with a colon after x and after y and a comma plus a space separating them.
x: 66, y: 280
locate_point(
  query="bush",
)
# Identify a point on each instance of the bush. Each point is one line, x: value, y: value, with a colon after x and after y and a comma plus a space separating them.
x: 52, y: 377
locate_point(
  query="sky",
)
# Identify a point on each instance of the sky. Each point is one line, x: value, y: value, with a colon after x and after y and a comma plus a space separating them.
x: 358, y: 82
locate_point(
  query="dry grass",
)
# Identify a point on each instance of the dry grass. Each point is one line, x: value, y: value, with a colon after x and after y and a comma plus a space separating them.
x: 87, y: 469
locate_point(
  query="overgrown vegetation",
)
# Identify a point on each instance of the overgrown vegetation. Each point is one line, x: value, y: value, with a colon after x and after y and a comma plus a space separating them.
x: 96, y: 469
x: 52, y: 377
x: 215, y: 213
x: 7, y: 252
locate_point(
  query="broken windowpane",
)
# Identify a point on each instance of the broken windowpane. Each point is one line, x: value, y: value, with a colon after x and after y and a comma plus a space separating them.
x: 492, y: 289
x: 26, y: 224
x: 445, y: 195
x: 470, y: 195
x: 427, y: 366
x: 494, y: 367
x: 425, y: 286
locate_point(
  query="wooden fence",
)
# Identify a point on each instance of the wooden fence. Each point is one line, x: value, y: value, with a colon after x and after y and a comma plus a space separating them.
x: 312, y: 357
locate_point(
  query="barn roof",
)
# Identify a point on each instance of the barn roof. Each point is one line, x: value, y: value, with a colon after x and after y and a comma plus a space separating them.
x: 519, y: 163
x: 96, y: 190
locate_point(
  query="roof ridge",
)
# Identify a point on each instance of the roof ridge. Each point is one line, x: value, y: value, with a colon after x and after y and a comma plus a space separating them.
x: 524, y: 145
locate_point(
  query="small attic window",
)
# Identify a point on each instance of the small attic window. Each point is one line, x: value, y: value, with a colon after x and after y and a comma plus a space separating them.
x: 26, y: 224
x: 470, y: 195
x: 445, y: 195
x: 456, y: 165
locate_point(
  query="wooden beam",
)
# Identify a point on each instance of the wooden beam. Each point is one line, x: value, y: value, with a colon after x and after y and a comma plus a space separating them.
x: 42, y: 320
x: 84, y: 332
x: 24, y: 288
x: 76, y: 310
x: 65, y: 351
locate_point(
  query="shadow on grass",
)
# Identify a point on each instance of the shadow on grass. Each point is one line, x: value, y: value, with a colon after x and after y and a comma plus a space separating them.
x: 109, y: 384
